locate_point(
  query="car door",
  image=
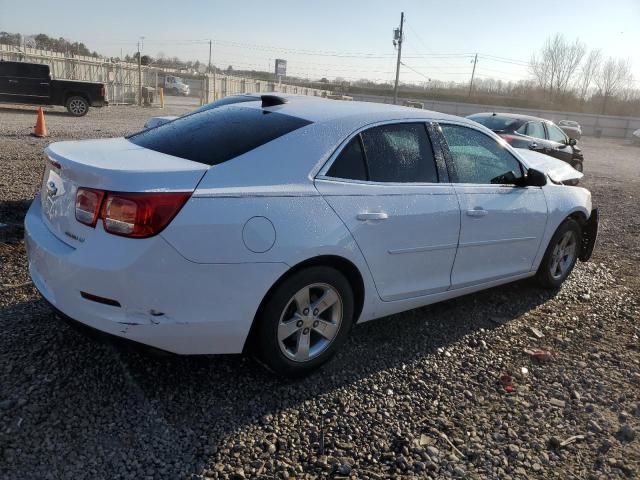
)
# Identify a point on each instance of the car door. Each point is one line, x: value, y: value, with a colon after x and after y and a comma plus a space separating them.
x: 7, y: 81
x: 501, y: 223
x: 392, y: 193
x: 27, y: 83
x: 560, y: 147
x: 536, y: 134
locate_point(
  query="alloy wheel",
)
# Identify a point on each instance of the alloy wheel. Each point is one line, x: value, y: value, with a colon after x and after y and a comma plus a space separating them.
x: 310, y: 322
x: 77, y: 107
x: 564, y: 255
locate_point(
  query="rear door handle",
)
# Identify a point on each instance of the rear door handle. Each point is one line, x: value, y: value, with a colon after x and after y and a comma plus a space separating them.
x: 477, y: 212
x: 364, y: 216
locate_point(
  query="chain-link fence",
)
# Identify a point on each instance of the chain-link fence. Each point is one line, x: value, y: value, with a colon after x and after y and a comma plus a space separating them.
x: 122, y: 79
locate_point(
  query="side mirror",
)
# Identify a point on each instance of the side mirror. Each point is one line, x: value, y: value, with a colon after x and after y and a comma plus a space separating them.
x: 572, y: 141
x: 536, y: 178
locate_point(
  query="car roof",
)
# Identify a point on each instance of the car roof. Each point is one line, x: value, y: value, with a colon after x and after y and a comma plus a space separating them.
x: 319, y: 110
x: 515, y: 116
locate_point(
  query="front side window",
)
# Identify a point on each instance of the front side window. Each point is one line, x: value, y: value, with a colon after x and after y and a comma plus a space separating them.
x: 555, y: 134
x: 480, y: 159
x: 399, y: 153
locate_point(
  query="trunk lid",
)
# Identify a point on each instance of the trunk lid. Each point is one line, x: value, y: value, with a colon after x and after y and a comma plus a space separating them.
x: 115, y: 165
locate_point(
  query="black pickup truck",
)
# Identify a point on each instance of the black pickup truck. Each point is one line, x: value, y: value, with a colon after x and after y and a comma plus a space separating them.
x: 31, y: 83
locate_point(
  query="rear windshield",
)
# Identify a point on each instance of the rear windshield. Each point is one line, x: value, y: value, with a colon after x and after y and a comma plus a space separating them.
x: 217, y: 135
x: 497, y: 124
x: 227, y: 101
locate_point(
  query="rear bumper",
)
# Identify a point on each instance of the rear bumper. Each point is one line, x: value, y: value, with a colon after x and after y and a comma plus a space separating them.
x: 589, y: 236
x: 166, y: 301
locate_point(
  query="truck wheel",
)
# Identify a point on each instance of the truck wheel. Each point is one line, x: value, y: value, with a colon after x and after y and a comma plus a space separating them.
x: 174, y: 91
x: 77, y: 106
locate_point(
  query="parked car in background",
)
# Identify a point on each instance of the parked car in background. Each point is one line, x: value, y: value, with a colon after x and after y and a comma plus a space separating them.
x: 275, y: 224
x: 533, y: 133
x: 571, y: 128
x: 411, y: 103
x: 31, y: 83
x: 175, y: 86
x: 339, y: 96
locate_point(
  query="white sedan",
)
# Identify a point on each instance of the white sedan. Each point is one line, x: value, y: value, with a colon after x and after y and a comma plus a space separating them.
x: 277, y: 223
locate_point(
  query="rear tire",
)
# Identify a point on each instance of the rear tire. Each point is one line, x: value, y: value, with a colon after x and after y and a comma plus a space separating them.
x: 561, y: 255
x: 77, y: 106
x: 297, y: 332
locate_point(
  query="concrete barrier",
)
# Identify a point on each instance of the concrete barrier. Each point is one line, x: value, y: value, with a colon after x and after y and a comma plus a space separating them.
x: 592, y: 125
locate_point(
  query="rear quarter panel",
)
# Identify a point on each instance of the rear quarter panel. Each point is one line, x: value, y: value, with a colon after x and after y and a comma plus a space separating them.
x: 214, y: 230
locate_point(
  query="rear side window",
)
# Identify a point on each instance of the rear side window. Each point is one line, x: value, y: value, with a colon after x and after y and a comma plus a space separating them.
x: 535, y: 129
x: 399, y: 152
x: 350, y: 164
x: 7, y: 69
x: 26, y: 70
x: 217, y: 135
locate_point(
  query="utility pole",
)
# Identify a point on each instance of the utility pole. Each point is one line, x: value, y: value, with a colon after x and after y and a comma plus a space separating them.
x: 140, y: 47
x: 209, y: 68
x: 473, y: 73
x: 398, y: 38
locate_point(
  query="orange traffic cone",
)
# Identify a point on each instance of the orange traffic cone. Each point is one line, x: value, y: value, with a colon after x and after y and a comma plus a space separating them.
x: 40, y: 130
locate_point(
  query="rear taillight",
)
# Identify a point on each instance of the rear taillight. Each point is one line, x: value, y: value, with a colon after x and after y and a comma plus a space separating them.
x: 88, y: 202
x: 136, y: 215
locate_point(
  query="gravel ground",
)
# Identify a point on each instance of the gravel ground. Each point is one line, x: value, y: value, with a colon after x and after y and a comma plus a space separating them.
x: 416, y: 395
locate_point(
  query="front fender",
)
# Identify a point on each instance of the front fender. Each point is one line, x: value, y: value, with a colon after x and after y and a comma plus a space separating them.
x: 562, y: 202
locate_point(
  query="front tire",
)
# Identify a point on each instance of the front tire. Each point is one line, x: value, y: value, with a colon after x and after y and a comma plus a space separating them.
x: 77, y: 106
x: 578, y: 166
x: 561, y: 255
x: 304, y: 321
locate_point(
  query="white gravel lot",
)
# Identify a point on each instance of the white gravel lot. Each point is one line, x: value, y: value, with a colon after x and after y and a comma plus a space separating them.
x: 416, y: 395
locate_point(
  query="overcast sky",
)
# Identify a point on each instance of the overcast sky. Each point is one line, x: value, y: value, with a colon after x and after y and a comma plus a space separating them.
x: 351, y: 39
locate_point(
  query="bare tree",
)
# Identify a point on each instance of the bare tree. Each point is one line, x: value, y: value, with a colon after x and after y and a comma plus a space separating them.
x: 613, y: 76
x: 588, y: 71
x: 556, y: 63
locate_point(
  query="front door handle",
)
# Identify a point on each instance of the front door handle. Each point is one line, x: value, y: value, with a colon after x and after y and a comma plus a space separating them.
x: 364, y: 216
x: 13, y: 81
x: 477, y: 212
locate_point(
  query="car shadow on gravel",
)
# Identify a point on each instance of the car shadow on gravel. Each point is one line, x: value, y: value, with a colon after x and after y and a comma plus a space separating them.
x: 193, y: 403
